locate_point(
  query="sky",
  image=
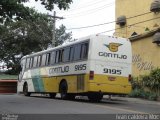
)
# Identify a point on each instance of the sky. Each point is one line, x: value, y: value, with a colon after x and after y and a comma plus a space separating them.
x: 84, y: 13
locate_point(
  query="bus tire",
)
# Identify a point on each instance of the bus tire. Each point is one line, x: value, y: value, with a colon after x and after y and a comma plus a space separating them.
x: 95, y: 97
x: 52, y: 95
x: 63, y: 88
x: 25, y: 90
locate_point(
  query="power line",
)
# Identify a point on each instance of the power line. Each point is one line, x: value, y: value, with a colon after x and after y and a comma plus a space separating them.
x: 88, y: 12
x: 91, y: 26
x: 106, y: 23
x: 130, y: 25
x: 87, y: 5
x: 82, y: 13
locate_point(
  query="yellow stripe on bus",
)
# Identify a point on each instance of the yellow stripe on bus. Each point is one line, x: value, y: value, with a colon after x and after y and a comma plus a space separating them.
x: 100, y: 83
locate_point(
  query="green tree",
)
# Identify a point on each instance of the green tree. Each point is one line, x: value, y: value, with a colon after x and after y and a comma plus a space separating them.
x: 62, y: 36
x: 26, y: 36
x: 152, y: 81
x: 13, y: 10
x: 23, y: 30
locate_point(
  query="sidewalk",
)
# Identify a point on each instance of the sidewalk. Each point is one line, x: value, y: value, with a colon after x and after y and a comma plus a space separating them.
x: 133, y: 100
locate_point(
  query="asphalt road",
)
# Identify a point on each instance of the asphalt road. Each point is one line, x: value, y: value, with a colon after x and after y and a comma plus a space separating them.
x: 44, y: 106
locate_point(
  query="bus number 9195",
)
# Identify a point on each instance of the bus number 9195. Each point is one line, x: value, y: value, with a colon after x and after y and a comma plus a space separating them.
x: 112, y: 71
x: 80, y: 67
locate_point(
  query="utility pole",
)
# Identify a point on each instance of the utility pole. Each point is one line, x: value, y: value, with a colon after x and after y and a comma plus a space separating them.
x: 54, y: 27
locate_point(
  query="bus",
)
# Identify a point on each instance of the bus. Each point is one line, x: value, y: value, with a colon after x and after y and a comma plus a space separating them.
x: 92, y: 66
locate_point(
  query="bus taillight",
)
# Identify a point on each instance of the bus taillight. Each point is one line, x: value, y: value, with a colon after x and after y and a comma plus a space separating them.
x: 129, y: 77
x: 91, y: 75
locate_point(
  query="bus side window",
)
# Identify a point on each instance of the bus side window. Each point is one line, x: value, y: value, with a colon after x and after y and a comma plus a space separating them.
x: 77, y: 52
x: 27, y: 63
x: 52, y: 58
x: 39, y: 61
x: 66, y: 55
x: 71, y: 53
x: 43, y: 60
x: 48, y: 55
x: 23, y: 64
x: 57, y: 56
x: 61, y: 56
x: 35, y: 62
x: 31, y: 62
x: 84, y: 51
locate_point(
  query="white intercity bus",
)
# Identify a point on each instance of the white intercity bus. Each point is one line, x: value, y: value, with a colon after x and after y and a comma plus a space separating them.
x: 93, y: 66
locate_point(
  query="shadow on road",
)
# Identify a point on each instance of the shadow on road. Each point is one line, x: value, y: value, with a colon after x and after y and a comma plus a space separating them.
x: 84, y: 99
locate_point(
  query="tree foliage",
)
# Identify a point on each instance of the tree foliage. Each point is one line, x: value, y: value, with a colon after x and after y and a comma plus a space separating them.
x: 152, y: 81
x: 26, y: 36
x: 62, y: 4
x: 15, y: 10
x: 62, y: 36
x: 150, y: 84
x: 23, y: 30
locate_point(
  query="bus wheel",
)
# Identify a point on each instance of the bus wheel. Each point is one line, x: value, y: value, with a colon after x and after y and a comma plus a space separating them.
x: 63, y: 90
x: 52, y: 95
x: 25, y: 90
x: 95, y: 97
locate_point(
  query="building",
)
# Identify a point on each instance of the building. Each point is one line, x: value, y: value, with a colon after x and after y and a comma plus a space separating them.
x: 139, y: 20
x: 8, y: 83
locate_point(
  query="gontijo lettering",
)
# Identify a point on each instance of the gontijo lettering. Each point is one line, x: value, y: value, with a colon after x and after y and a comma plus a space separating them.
x: 113, y: 47
x: 59, y: 70
x: 112, y: 55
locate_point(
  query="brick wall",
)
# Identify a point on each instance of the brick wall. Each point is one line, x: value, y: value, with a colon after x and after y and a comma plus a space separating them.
x: 8, y: 86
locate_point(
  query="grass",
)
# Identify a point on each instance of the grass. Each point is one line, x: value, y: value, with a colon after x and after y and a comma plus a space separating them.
x: 9, y: 77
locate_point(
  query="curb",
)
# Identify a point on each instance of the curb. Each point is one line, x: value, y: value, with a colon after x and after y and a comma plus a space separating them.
x: 133, y: 100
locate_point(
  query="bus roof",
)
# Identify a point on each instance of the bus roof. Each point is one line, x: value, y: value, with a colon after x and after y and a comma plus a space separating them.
x: 70, y: 43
